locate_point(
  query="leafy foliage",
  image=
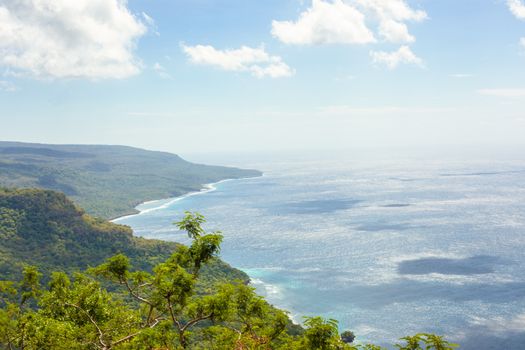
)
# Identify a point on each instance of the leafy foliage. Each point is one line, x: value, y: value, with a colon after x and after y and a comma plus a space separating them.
x: 424, y: 341
x: 348, y: 337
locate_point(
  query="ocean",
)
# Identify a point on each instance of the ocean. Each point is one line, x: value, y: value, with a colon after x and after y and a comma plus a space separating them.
x: 388, y: 246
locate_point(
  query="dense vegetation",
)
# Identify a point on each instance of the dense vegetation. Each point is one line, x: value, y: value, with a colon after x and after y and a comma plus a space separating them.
x: 107, y: 181
x: 159, y: 310
x: 45, y: 229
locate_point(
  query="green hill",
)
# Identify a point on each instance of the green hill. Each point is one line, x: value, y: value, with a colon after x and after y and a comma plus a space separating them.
x: 107, y: 181
x: 45, y: 229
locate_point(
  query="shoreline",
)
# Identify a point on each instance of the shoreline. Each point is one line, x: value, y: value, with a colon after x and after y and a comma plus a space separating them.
x: 206, y: 188
x: 258, y: 283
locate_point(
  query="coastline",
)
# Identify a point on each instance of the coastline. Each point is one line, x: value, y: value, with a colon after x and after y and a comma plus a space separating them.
x: 206, y: 188
x: 263, y: 288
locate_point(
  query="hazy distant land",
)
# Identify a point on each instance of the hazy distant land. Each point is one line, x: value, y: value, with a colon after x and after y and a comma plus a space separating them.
x: 107, y: 181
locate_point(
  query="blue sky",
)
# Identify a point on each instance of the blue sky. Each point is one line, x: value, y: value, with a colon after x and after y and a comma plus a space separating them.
x: 208, y: 76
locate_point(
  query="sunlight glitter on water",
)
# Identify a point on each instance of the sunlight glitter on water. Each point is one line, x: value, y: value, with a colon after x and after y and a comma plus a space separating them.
x: 386, y: 248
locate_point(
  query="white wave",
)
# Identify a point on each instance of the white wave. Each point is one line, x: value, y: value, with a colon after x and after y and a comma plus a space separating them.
x: 275, y: 295
x: 206, y: 188
x: 270, y: 290
x: 273, y: 290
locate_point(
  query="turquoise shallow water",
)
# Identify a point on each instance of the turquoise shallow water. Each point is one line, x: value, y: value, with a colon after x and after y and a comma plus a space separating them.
x: 387, y: 247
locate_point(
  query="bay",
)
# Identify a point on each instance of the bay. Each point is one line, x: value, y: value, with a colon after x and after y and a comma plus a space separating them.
x: 389, y: 246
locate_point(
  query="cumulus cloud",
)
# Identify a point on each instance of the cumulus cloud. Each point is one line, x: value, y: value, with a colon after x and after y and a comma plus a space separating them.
x: 517, y: 8
x: 245, y: 59
x: 348, y: 22
x: 509, y: 93
x: 92, y: 39
x: 398, y: 10
x: 325, y: 22
x: 345, y: 22
x: 161, y: 71
x: 148, y: 19
x: 150, y: 22
x: 403, y: 55
x: 392, y: 15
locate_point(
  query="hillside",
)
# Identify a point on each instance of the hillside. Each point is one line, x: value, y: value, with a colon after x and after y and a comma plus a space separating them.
x: 107, y: 181
x: 45, y: 229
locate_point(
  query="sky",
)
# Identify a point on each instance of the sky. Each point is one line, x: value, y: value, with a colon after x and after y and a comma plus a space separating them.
x: 249, y: 75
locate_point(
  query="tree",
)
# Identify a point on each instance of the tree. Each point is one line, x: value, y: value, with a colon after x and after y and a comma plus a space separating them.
x: 426, y: 341
x: 168, y: 295
x: 348, y: 337
x: 320, y: 333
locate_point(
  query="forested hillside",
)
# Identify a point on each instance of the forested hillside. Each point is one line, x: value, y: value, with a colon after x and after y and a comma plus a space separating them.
x: 45, y: 229
x: 107, y: 181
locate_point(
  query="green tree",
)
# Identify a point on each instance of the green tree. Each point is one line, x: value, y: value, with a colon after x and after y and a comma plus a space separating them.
x: 426, y: 341
x: 348, y: 337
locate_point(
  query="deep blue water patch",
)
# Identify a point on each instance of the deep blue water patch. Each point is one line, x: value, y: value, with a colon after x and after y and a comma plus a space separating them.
x: 476, y: 265
x: 374, y: 297
x: 484, y: 173
x: 320, y: 206
x: 383, y: 226
x: 396, y: 205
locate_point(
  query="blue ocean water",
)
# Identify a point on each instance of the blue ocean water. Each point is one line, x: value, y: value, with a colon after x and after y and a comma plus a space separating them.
x: 387, y: 247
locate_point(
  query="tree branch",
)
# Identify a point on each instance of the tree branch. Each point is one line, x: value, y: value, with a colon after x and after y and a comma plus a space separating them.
x: 129, y: 337
x: 149, y: 314
x: 196, y: 320
x: 100, y: 333
x: 172, y: 314
x: 133, y: 294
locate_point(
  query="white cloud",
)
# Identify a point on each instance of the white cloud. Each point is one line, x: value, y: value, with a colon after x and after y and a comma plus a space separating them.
x: 391, y: 15
x: 517, y: 8
x: 7, y: 86
x: 345, y: 22
x: 403, y: 55
x: 161, y: 71
x: 325, y: 22
x: 245, y: 59
x: 92, y: 39
x: 395, y: 31
x: 152, y: 26
x: 149, y: 20
x: 509, y: 93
